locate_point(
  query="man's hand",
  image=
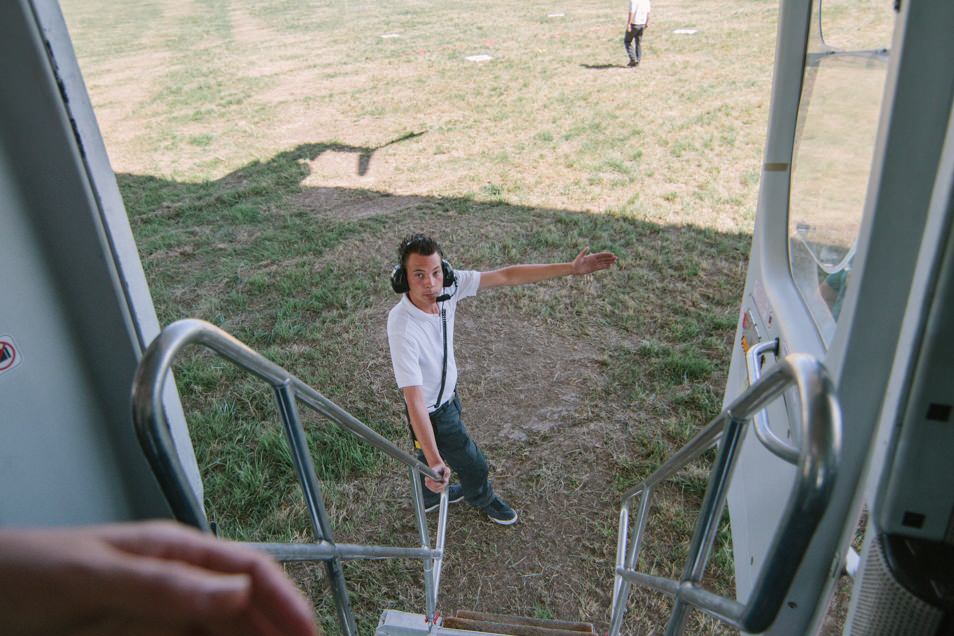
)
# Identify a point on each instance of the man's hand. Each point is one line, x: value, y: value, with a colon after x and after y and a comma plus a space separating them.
x: 149, y: 579
x: 588, y: 263
x: 438, y: 486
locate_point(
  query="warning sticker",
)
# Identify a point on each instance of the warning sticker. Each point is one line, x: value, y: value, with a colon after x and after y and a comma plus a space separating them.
x: 9, y: 354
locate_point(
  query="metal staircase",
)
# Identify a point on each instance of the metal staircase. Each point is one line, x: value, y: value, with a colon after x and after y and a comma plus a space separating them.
x: 817, y: 463
x: 156, y: 440
x: 817, y: 460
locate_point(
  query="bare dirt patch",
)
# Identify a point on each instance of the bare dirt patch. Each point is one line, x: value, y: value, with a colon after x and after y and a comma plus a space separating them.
x: 526, y: 380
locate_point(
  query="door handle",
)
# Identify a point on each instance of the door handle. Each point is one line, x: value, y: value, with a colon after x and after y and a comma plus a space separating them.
x: 776, y: 445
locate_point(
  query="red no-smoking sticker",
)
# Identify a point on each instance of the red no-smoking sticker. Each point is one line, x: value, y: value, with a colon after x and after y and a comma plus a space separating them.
x: 9, y: 354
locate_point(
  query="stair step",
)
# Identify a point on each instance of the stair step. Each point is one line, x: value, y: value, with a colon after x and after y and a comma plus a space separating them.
x: 574, y: 626
x: 510, y: 629
x: 516, y: 625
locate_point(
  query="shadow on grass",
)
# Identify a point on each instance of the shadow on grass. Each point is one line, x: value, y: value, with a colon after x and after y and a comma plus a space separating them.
x: 288, y: 269
x: 231, y: 232
x: 301, y: 274
x: 603, y: 67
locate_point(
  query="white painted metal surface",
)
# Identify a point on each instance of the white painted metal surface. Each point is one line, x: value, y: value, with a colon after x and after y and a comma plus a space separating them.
x: 75, y: 298
x: 863, y: 346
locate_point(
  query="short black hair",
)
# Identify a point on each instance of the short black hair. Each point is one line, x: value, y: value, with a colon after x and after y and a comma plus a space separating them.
x: 417, y: 244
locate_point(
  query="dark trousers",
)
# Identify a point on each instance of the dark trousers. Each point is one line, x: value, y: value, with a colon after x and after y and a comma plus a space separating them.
x: 460, y: 453
x: 632, y: 42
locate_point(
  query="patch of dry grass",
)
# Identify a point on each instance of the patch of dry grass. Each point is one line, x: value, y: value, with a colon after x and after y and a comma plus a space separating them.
x: 193, y: 91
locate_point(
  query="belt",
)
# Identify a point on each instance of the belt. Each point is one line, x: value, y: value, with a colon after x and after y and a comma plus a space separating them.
x: 444, y: 405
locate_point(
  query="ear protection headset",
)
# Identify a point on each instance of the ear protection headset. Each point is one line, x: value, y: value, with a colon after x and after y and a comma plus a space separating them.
x: 399, y: 277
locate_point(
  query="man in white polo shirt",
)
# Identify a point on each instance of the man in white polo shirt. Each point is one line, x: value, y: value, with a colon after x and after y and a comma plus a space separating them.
x: 421, y: 339
x: 636, y: 22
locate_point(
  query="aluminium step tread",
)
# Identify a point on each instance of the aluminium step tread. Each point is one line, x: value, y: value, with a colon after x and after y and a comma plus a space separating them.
x: 576, y: 626
x: 516, y: 625
x: 399, y: 623
x: 506, y: 629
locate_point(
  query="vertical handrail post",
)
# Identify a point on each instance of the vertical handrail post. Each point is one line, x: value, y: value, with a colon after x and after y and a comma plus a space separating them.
x: 321, y: 526
x: 626, y: 559
x: 622, y: 538
x: 417, y: 495
x: 439, y: 543
x: 641, y: 517
x: 710, y: 514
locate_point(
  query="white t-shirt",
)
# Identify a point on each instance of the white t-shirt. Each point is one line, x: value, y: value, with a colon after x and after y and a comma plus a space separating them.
x: 640, y: 10
x: 417, y: 342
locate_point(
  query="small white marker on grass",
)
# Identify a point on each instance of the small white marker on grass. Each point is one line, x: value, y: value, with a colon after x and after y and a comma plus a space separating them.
x: 686, y: 31
x: 478, y: 58
x: 388, y: 36
x: 556, y: 15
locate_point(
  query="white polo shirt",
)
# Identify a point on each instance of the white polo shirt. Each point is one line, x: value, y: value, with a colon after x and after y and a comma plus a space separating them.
x: 640, y: 10
x: 416, y: 341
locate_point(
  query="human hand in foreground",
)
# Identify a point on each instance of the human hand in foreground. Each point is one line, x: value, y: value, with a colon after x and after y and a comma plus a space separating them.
x: 438, y: 486
x: 147, y: 579
x: 588, y: 263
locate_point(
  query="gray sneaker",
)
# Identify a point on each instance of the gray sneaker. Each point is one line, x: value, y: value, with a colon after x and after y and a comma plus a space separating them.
x: 500, y: 512
x: 455, y: 494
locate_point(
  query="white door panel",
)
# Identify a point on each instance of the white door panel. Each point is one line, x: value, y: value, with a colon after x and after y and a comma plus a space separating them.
x: 850, y: 163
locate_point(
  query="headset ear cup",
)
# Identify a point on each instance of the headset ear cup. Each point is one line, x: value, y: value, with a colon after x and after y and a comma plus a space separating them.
x: 449, y: 276
x: 399, y: 280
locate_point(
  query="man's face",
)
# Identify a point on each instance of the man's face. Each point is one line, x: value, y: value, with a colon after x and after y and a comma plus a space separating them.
x: 425, y: 279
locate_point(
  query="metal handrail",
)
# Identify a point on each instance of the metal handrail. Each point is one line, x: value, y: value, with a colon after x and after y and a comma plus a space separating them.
x: 155, y: 437
x: 820, y: 423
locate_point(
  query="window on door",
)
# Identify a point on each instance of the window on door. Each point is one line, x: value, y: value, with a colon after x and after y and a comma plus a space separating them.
x: 843, y: 86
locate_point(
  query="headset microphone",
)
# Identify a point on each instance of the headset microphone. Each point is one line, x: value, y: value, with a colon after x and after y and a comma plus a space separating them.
x: 442, y: 298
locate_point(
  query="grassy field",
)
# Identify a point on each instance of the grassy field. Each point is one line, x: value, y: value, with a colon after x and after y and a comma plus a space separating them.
x: 272, y: 155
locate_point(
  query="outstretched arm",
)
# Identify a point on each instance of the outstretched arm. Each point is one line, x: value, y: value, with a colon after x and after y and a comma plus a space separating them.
x: 522, y: 274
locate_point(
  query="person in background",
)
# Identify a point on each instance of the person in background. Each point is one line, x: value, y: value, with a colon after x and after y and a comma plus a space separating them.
x: 637, y: 21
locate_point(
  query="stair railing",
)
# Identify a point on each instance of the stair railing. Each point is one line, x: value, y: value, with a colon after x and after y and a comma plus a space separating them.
x: 818, y: 457
x: 155, y: 437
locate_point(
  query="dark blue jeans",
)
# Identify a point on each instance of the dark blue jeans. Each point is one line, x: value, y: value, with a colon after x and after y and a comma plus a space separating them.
x: 460, y: 453
x: 635, y: 34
